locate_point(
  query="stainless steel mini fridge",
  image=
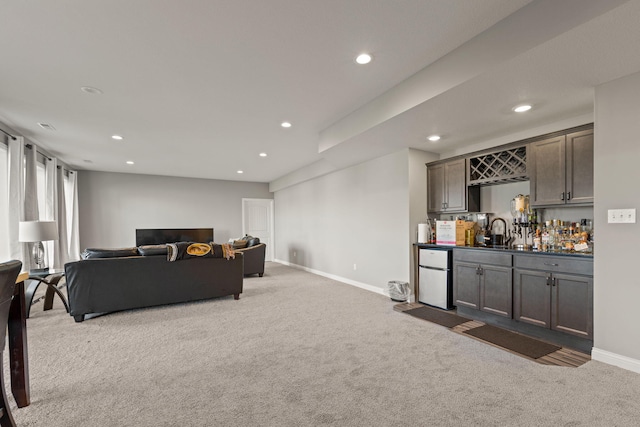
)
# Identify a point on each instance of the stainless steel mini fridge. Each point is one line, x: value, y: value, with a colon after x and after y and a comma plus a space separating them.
x: 435, y: 277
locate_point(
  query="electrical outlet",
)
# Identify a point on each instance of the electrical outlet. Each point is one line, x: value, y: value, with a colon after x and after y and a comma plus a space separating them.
x: 355, y: 267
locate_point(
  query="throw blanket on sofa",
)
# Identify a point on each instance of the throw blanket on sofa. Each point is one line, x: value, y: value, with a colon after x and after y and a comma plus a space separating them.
x: 186, y: 250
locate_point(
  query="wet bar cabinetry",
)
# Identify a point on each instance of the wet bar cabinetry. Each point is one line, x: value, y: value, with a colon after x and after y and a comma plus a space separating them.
x: 546, y: 295
x: 558, y: 165
x: 498, y: 167
x: 562, y: 170
x: 483, y: 281
x: 554, y: 293
x: 447, y: 190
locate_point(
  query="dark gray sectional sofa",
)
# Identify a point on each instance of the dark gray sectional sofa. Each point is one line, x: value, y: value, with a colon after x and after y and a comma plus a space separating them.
x: 122, y: 280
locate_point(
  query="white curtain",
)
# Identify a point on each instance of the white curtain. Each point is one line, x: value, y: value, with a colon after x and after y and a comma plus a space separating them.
x: 30, y: 195
x: 16, y: 198
x: 23, y: 205
x: 23, y: 196
x: 62, y: 249
x: 73, y: 225
x: 30, y: 183
x: 66, y: 248
x: 51, y: 206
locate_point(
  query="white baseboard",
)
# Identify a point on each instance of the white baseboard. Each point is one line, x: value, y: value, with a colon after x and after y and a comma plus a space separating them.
x: 615, y: 360
x: 334, y: 277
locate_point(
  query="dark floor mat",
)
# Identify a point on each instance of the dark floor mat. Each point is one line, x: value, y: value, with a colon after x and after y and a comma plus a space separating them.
x: 517, y: 343
x: 438, y: 316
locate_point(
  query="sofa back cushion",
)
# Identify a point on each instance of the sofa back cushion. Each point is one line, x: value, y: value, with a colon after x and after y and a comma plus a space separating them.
x: 149, y: 250
x: 239, y: 244
x: 108, y: 253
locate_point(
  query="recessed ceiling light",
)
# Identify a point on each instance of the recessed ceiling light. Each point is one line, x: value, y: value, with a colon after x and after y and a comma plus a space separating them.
x: 522, y: 108
x: 263, y: 154
x: 363, y: 58
x: 129, y: 162
x: 434, y: 138
x: 116, y: 137
x: 91, y: 90
x: 46, y: 126
x: 240, y: 171
x: 285, y: 124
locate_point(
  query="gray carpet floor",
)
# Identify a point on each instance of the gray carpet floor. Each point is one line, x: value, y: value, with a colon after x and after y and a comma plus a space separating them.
x: 299, y: 350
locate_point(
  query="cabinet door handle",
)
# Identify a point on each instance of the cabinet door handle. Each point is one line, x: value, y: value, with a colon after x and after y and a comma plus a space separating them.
x: 569, y: 195
x: 551, y: 264
x: 553, y: 281
x: 548, y: 280
x: 562, y: 196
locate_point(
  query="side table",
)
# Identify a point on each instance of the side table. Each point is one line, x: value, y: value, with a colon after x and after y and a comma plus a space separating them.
x: 51, y: 280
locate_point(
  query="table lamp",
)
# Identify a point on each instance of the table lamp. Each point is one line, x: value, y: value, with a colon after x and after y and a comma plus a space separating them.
x: 37, y: 232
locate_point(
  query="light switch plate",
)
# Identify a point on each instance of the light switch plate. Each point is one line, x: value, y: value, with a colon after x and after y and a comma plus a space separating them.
x: 618, y: 216
x: 628, y: 216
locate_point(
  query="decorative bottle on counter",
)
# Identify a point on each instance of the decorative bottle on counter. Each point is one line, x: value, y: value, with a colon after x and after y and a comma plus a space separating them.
x: 544, y: 238
x: 537, y: 240
x: 554, y: 236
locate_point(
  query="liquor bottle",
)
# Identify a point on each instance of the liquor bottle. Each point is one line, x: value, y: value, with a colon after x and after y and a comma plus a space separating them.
x: 552, y: 229
x: 537, y: 240
x: 544, y: 237
x: 556, y: 233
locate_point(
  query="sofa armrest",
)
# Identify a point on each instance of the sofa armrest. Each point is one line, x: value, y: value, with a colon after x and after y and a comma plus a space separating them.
x: 254, y: 259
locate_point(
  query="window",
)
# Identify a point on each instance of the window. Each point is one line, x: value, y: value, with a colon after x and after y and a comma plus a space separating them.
x: 45, y: 194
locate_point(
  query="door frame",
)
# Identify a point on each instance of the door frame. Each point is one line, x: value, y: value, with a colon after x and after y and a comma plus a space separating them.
x: 271, y: 245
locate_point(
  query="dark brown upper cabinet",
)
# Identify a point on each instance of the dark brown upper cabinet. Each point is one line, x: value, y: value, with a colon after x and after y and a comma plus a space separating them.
x: 447, y: 190
x: 562, y: 170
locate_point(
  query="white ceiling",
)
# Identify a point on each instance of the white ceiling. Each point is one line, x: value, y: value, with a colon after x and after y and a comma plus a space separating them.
x: 198, y: 88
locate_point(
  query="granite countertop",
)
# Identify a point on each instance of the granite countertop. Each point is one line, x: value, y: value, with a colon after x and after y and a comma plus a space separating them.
x: 508, y: 250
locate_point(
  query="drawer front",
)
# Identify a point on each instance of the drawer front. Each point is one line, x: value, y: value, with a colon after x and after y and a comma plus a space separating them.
x: 479, y: 256
x: 554, y: 264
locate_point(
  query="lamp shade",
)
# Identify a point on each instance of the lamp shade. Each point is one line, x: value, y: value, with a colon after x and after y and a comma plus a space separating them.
x: 37, y: 231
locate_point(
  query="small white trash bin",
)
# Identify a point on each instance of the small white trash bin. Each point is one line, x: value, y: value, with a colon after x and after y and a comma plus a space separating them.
x: 399, y: 291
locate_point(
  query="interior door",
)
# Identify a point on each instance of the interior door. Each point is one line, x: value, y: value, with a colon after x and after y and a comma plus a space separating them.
x: 257, y: 221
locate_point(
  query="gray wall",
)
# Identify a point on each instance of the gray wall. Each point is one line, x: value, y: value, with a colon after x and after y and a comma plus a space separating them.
x: 617, y: 282
x: 113, y: 205
x: 358, y: 215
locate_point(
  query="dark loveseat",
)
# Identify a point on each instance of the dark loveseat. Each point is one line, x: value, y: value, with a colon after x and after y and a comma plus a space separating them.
x: 126, y: 280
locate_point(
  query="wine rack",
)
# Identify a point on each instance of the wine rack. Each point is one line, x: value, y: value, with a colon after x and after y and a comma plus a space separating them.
x: 504, y: 166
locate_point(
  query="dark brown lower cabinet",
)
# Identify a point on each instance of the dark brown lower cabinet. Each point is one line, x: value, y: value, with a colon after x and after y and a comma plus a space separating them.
x: 484, y: 285
x: 466, y: 284
x: 561, y: 301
